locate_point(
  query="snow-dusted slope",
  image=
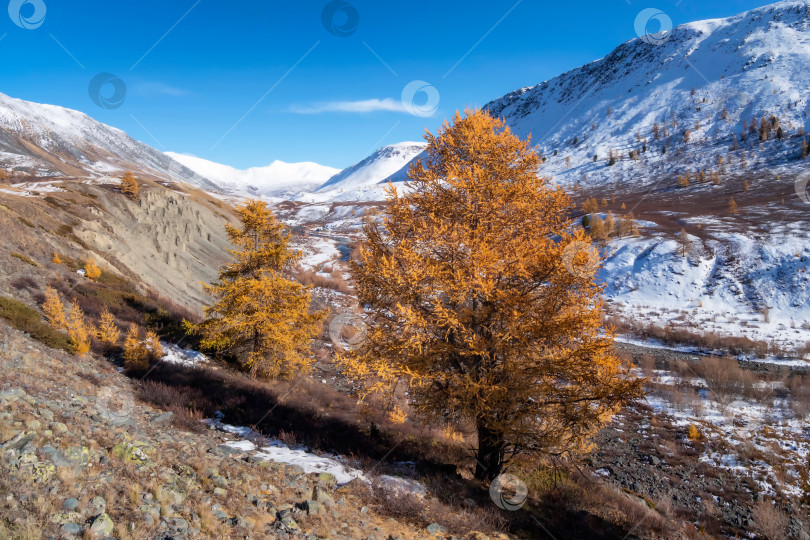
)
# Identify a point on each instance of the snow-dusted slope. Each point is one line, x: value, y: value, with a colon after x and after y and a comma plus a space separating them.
x: 707, y: 77
x: 753, y: 285
x: 361, y: 181
x: 278, y: 178
x: 47, y: 140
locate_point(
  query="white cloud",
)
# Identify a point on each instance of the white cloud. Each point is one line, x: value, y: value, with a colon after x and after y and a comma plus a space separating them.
x: 158, y: 88
x: 361, y: 106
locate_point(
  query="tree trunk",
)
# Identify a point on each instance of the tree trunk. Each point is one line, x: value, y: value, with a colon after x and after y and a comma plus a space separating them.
x: 491, y: 450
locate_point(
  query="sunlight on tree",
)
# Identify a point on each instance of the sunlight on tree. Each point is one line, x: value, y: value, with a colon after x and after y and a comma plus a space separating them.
x: 470, y: 303
x: 261, y: 317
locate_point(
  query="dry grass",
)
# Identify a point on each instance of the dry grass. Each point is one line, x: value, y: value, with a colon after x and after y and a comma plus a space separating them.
x: 770, y: 520
x: 29, y: 320
x: 24, y: 259
x: 674, y: 335
x: 335, y: 280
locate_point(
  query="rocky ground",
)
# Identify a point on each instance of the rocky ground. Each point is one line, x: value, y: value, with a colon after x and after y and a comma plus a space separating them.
x: 82, y: 458
x: 655, y: 459
x: 750, y: 477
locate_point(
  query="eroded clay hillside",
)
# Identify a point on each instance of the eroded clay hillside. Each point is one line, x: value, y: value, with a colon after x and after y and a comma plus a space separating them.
x: 168, y: 241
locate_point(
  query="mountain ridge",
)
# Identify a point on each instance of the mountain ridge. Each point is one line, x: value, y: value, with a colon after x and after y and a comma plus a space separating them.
x: 277, y: 178
x: 706, y: 78
x: 49, y: 140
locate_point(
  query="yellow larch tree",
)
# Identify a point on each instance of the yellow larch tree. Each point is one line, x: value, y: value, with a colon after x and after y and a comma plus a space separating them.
x: 260, y: 317
x: 91, y: 270
x: 482, y: 300
x: 136, y: 354
x: 153, y: 345
x: 79, y: 330
x: 129, y: 186
x: 108, y: 332
x: 56, y: 259
x: 54, y: 309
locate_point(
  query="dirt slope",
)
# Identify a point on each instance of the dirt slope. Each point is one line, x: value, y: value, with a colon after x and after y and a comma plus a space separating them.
x: 169, y: 241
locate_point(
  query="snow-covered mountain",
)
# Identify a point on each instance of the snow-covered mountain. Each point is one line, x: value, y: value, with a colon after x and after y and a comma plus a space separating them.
x: 362, y: 180
x: 682, y: 104
x: 711, y: 79
x: 678, y: 103
x: 277, y: 179
x: 46, y: 140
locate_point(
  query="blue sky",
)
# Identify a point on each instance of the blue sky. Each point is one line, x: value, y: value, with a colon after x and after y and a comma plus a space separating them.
x: 248, y: 83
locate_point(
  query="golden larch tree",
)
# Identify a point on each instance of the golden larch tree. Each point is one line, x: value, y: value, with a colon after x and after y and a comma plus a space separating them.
x: 79, y: 330
x: 54, y: 309
x: 599, y: 230
x: 56, y: 259
x: 136, y: 354
x: 153, y: 345
x: 481, y: 298
x: 108, y: 332
x: 91, y: 270
x: 627, y: 225
x: 610, y: 223
x: 129, y: 186
x: 260, y: 316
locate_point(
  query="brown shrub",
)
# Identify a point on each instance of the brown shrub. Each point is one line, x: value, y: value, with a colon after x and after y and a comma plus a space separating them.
x: 770, y: 520
x: 335, y: 281
x: 678, y: 335
x: 725, y: 378
x: 25, y: 283
x: 799, y: 388
x: 646, y: 363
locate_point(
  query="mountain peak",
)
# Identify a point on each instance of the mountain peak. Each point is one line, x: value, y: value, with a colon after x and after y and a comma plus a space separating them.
x: 277, y: 178
x: 706, y: 78
x: 389, y: 163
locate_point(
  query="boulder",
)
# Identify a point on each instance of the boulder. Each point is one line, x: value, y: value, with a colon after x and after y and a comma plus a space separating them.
x: 101, y: 527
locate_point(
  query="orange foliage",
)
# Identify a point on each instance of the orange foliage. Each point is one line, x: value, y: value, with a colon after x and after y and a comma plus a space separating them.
x: 475, y: 304
x: 260, y: 316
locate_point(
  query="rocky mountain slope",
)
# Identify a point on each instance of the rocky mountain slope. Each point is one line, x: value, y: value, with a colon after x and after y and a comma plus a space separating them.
x: 82, y: 456
x: 46, y: 140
